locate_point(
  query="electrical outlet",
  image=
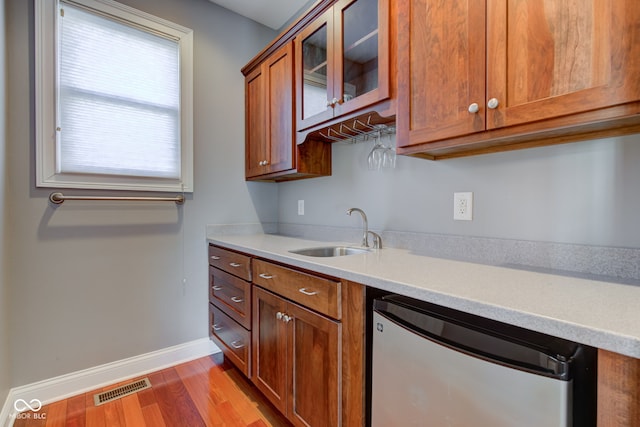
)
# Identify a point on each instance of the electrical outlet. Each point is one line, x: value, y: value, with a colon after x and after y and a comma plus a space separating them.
x: 300, y: 207
x: 463, y: 206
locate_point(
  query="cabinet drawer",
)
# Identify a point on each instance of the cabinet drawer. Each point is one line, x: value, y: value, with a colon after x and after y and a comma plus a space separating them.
x: 231, y: 294
x: 316, y: 293
x: 234, y: 340
x: 229, y: 261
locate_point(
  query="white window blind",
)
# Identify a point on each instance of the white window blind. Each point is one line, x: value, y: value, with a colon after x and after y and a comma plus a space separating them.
x: 114, y: 98
x: 118, y: 100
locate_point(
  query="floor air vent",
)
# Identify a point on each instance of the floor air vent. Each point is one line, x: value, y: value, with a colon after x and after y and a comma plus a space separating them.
x: 121, y: 391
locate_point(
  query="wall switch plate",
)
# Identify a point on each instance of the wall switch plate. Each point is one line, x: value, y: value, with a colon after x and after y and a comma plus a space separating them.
x: 463, y: 206
x: 300, y: 207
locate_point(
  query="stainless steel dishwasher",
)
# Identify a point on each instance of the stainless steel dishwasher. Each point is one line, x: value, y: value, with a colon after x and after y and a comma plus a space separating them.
x: 436, y: 367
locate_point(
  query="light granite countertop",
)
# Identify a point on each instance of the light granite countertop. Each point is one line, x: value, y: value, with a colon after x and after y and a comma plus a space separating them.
x: 597, y: 313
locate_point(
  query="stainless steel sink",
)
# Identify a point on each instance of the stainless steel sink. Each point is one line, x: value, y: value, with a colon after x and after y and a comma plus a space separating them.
x: 330, y: 251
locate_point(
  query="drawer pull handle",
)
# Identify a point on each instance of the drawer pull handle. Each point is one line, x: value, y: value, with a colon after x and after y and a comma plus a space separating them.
x: 216, y: 327
x: 217, y: 288
x: 237, y: 344
x: 265, y: 276
x: 306, y: 292
x: 236, y: 299
x: 215, y: 258
x: 234, y: 264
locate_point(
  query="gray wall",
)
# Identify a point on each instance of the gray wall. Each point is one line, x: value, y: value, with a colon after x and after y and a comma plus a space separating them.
x: 5, y: 380
x: 91, y: 283
x: 582, y: 193
x: 296, y: 15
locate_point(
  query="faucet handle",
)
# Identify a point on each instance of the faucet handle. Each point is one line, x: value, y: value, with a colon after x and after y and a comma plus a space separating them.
x: 377, y: 240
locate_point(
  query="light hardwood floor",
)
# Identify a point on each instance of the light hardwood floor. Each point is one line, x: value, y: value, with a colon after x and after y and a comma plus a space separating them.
x: 204, y: 392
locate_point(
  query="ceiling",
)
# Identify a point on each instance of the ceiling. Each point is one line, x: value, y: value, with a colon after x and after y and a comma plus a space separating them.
x: 272, y: 13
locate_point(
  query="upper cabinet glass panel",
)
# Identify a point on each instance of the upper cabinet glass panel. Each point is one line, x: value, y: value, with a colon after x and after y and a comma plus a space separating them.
x: 315, y: 67
x: 342, y: 61
x: 359, y: 48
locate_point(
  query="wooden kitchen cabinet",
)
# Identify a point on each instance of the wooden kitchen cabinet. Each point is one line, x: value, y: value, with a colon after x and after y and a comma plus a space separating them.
x: 234, y: 262
x: 271, y: 152
x: 618, y: 390
x: 342, y: 61
x: 491, y: 75
x: 297, y: 360
x: 231, y: 337
x: 305, y: 346
x: 231, y: 294
x: 317, y: 293
x: 269, y: 111
x: 331, y: 68
x: 550, y: 59
x: 230, y: 305
x: 270, y: 339
x: 309, y: 345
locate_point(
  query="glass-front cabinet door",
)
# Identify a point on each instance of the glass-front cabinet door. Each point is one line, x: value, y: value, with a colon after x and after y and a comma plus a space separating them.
x: 342, y: 61
x: 315, y: 71
x: 362, y: 52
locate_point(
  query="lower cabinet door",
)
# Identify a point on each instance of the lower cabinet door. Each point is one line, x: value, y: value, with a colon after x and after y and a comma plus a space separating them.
x: 296, y: 360
x: 315, y: 368
x: 270, y: 347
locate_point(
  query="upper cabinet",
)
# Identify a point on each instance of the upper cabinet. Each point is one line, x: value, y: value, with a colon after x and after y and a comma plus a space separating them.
x: 269, y: 110
x: 548, y: 59
x: 489, y: 75
x: 331, y: 66
x: 342, y: 61
x: 270, y: 146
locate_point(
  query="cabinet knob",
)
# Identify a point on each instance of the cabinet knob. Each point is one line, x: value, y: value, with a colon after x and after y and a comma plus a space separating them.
x: 216, y: 327
x: 493, y: 103
x: 284, y: 317
x: 217, y: 288
x: 237, y: 300
x: 234, y: 264
x: 215, y: 258
x: 333, y: 102
x: 474, y: 108
x: 265, y: 276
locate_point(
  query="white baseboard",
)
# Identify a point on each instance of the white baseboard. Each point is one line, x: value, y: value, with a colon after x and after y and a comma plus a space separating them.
x: 72, y: 384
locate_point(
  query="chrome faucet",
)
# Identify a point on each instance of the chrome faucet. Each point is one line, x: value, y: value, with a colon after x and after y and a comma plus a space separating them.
x: 365, y: 235
x: 377, y: 240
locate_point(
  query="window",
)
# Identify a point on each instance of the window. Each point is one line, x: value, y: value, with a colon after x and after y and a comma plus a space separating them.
x: 113, y: 98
